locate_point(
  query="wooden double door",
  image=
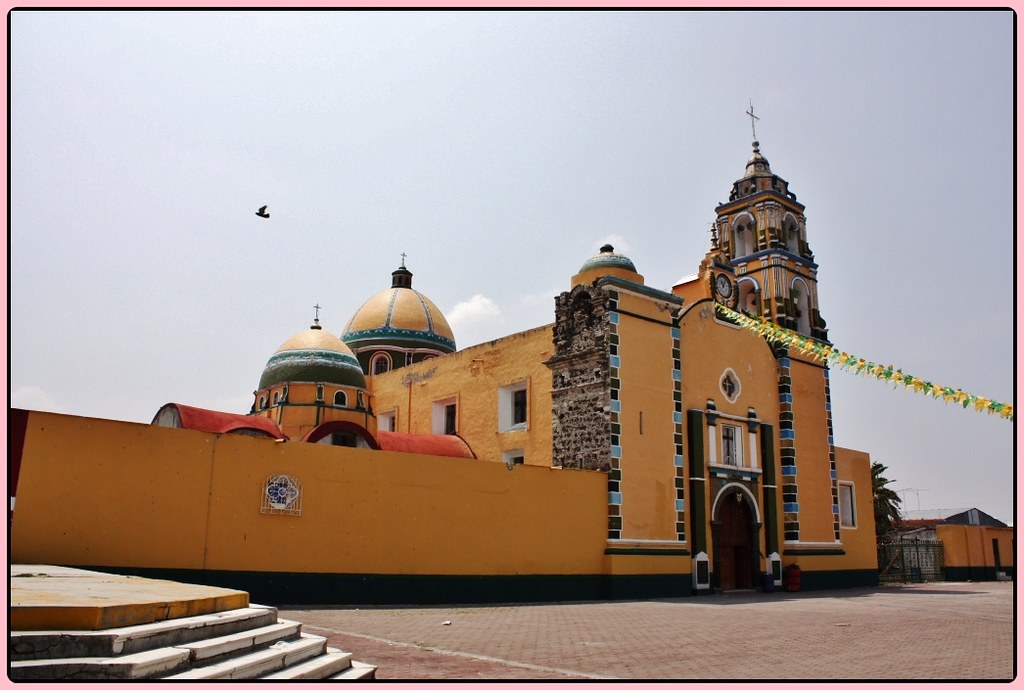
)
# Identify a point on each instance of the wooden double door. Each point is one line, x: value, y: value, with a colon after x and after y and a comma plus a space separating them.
x: 735, y: 543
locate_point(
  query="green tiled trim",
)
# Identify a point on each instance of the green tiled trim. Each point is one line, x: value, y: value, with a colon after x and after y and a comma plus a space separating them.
x: 837, y: 579
x: 612, y: 551
x: 813, y: 552
x: 278, y: 589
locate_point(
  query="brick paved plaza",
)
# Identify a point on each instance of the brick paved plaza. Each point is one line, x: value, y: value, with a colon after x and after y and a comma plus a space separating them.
x: 944, y: 630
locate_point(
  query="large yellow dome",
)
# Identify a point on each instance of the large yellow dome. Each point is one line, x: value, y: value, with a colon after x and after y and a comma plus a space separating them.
x: 399, y: 318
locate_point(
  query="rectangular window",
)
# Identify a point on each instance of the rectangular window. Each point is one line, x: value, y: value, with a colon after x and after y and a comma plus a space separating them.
x: 511, y: 458
x: 732, y: 449
x: 519, y: 406
x: 513, y: 407
x: 847, y: 505
x: 449, y: 419
x: 445, y: 417
x: 386, y: 421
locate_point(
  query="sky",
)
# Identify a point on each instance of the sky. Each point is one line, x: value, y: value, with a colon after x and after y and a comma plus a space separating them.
x: 498, y: 150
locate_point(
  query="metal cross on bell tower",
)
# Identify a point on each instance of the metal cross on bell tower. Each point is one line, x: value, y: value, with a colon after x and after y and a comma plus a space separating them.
x: 316, y: 315
x: 753, y: 119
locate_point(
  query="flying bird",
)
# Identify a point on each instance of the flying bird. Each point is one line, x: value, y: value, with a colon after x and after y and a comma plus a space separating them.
x: 262, y: 213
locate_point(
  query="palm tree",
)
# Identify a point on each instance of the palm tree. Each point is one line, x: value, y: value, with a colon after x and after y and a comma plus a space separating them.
x: 887, y: 502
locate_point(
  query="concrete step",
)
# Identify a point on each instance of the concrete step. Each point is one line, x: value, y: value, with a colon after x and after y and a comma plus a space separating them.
x: 358, y: 671
x: 278, y: 656
x: 207, y: 651
x: 65, y: 644
x: 153, y: 663
x: 333, y: 661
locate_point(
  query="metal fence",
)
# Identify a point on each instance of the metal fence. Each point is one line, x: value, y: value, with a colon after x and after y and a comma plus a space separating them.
x: 910, y: 560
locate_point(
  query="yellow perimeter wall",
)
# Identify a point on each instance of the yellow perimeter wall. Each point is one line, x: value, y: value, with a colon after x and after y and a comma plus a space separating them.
x: 100, y: 492
x: 969, y: 552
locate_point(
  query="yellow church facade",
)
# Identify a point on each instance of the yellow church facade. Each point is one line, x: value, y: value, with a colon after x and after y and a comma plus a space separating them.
x: 641, y: 445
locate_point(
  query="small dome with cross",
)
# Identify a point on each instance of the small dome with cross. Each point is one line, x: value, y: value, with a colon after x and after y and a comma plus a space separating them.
x: 313, y: 356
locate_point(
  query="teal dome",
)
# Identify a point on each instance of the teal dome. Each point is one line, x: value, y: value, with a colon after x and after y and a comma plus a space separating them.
x: 313, y: 356
x: 608, y: 258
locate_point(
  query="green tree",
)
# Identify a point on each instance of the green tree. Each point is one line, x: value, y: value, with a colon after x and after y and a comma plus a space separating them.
x: 887, y: 502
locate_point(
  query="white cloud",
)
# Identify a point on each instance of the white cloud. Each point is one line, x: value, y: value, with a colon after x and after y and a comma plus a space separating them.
x: 475, y: 320
x: 34, y: 398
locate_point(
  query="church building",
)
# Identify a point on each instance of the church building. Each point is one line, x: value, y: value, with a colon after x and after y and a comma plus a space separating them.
x: 643, y: 444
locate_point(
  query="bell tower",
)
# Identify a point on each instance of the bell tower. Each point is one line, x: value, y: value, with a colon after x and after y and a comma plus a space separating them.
x: 762, y: 235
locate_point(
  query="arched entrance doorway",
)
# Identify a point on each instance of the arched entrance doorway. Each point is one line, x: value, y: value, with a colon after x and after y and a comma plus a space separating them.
x: 734, y: 536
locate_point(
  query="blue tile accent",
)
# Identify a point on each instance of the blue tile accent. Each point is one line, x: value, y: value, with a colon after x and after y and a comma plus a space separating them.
x: 677, y: 417
x: 784, y: 362
x: 788, y: 471
x: 616, y: 406
x: 783, y: 433
x: 675, y: 333
x: 835, y: 509
x: 676, y: 375
x: 680, y: 505
x: 614, y: 361
x: 786, y: 398
x: 679, y: 461
x: 831, y: 441
x: 615, y: 498
x: 832, y: 474
x: 791, y: 507
x: 613, y: 317
x: 617, y: 452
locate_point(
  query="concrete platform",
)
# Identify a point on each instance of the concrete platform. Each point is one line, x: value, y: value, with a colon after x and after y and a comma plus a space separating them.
x: 45, y: 597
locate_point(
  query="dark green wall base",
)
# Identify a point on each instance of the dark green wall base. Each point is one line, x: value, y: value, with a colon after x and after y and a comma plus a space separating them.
x: 967, y: 573
x: 329, y: 588
x: 836, y: 579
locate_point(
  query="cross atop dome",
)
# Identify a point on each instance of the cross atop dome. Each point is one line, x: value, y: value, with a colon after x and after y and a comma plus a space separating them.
x: 316, y: 316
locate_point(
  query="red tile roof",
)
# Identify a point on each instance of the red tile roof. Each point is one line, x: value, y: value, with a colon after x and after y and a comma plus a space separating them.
x: 426, y: 444
x: 220, y: 422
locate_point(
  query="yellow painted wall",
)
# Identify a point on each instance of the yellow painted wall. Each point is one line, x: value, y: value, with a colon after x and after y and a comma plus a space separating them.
x: 859, y: 543
x: 708, y: 348
x: 473, y: 377
x: 95, y: 491
x: 303, y: 412
x: 645, y: 419
x: 99, y: 492
x: 971, y: 545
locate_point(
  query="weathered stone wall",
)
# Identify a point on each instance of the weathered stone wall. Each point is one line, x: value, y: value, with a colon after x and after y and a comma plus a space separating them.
x: 580, y: 400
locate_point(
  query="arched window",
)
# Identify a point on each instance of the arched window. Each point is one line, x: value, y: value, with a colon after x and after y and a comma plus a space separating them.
x: 340, y: 399
x: 380, y: 363
x: 277, y: 396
